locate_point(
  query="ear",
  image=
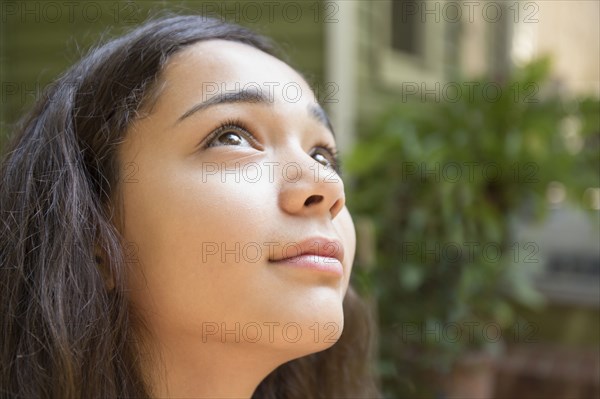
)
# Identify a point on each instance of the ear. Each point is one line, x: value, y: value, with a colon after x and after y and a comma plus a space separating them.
x: 103, y: 266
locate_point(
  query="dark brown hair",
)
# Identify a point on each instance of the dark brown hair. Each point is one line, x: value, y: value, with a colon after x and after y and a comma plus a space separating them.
x: 63, y: 334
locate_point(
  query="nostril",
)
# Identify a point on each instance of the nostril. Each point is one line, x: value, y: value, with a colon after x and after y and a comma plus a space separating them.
x: 313, y: 199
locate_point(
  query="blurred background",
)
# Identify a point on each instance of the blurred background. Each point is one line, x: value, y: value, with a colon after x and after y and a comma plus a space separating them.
x: 470, y: 136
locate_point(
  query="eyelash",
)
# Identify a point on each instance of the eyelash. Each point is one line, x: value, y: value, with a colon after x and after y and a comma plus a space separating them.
x: 240, y: 127
x: 231, y: 124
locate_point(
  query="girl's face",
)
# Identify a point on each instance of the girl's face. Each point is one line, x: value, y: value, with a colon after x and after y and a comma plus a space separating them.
x: 207, y: 211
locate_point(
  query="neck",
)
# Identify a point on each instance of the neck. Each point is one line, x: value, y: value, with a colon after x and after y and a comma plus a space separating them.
x: 209, y: 370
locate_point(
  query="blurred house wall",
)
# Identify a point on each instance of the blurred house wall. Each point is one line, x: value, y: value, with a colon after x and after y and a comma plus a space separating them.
x: 39, y: 40
x: 570, y: 31
x: 464, y: 46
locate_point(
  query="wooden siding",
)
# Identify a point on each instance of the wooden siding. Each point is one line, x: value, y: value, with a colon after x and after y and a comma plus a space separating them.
x: 39, y: 40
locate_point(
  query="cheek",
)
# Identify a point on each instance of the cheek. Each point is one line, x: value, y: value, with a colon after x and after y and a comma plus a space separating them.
x: 188, y: 230
x: 183, y: 208
x: 344, y: 227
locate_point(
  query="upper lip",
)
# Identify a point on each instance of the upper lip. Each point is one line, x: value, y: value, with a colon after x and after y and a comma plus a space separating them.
x: 319, y: 246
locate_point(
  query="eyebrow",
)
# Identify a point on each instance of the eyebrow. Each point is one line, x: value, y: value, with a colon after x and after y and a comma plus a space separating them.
x: 242, y: 96
x: 253, y: 97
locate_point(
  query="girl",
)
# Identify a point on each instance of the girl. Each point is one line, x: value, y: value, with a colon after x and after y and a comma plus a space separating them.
x: 174, y: 225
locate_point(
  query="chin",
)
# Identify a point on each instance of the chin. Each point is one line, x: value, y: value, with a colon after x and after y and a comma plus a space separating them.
x: 313, y: 329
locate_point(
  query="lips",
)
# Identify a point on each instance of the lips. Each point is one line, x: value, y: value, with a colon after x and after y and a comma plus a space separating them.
x: 317, y: 253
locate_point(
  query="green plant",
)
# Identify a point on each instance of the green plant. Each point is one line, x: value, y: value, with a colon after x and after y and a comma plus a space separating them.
x: 442, y: 182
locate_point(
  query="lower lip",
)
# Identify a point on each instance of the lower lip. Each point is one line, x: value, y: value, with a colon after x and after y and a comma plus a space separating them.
x: 314, y: 262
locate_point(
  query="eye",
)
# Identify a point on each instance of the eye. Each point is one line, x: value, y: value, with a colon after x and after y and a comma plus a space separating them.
x: 328, y: 157
x: 231, y: 133
x: 322, y: 158
x: 227, y: 138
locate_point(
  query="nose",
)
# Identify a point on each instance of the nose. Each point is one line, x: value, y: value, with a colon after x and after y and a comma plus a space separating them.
x: 308, y: 188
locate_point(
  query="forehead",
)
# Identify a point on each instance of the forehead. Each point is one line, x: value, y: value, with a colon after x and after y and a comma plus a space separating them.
x: 215, y: 67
